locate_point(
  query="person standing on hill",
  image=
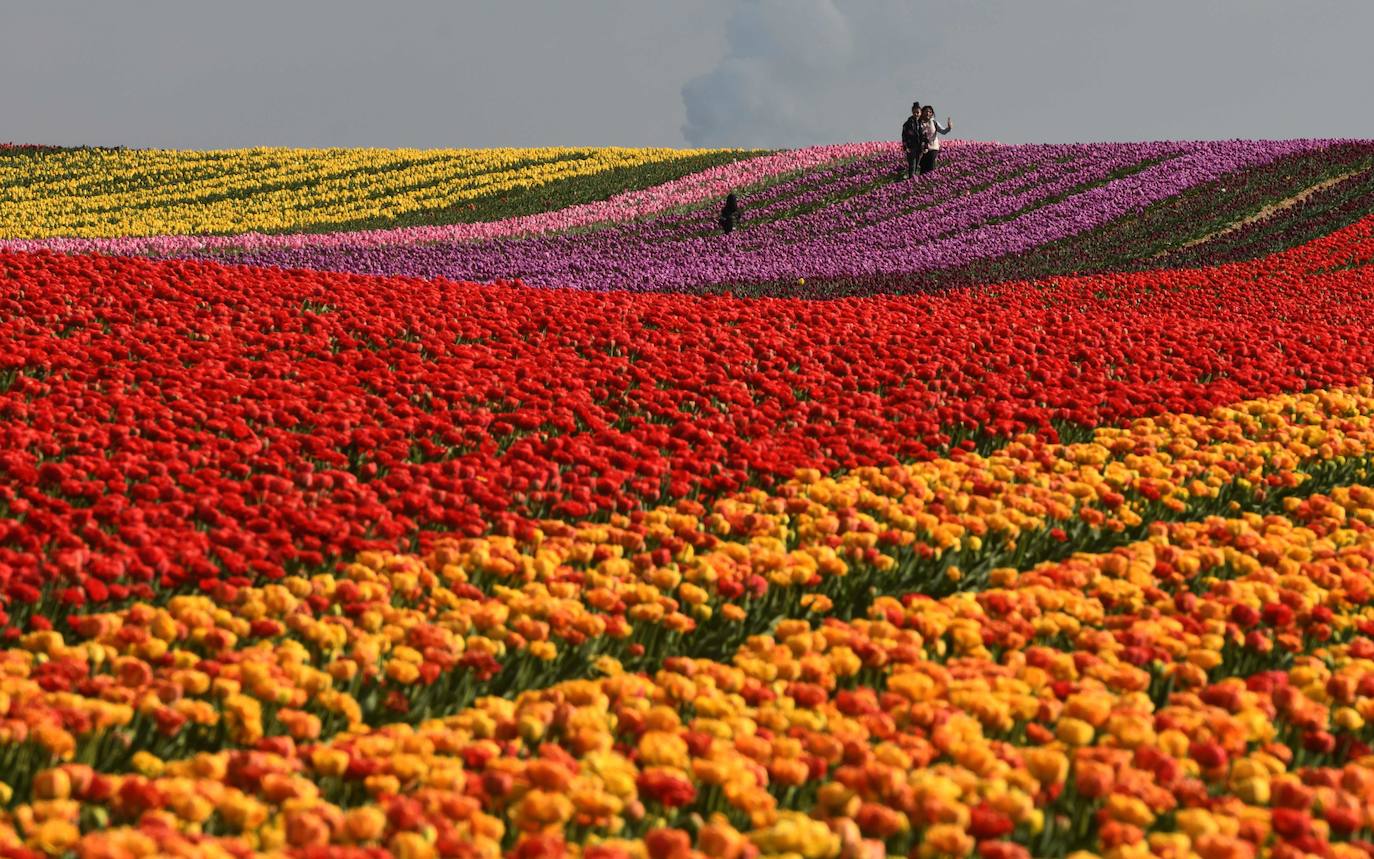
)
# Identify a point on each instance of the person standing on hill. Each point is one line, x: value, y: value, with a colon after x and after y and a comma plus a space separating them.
x: 913, y: 142
x: 729, y: 214
x: 930, y: 136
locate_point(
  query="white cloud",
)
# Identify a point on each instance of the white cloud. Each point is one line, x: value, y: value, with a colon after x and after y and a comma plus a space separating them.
x: 822, y: 71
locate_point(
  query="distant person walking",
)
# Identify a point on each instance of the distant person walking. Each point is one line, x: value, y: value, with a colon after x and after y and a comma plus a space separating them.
x: 913, y: 141
x: 729, y: 214
x: 930, y: 135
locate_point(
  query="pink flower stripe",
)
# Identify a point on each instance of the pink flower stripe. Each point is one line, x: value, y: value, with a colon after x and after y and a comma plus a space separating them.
x: 629, y: 205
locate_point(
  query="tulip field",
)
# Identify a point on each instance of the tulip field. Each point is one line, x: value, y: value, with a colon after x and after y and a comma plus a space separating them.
x: 491, y: 503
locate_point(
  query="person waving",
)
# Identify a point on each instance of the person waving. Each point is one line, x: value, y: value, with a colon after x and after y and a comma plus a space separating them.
x: 930, y: 136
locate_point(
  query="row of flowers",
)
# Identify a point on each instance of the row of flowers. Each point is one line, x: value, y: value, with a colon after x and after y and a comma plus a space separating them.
x: 178, y: 421
x: 143, y: 192
x: 709, y: 184
x: 949, y: 218
x: 491, y: 615
x: 827, y: 187
x: 1243, y: 215
x: 1333, y: 203
x: 1207, y: 689
x: 693, y: 576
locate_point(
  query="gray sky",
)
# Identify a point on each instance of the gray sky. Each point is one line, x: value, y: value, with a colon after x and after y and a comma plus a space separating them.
x: 431, y: 73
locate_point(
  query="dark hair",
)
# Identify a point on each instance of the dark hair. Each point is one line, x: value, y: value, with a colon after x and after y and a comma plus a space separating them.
x: 929, y: 107
x: 731, y: 202
x: 915, y: 105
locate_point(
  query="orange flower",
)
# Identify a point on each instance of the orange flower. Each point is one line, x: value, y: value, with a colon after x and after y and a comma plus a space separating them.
x: 539, y: 809
x: 1093, y: 779
x: 306, y: 829
x: 548, y: 775
x: 55, y: 836
x: 331, y: 763
x: 943, y: 840
x: 879, y: 821
x: 411, y: 845
x: 789, y: 772
x: 364, y: 824
x: 1049, y: 767
x: 52, y: 784
x: 719, y: 840
x: 1074, y: 732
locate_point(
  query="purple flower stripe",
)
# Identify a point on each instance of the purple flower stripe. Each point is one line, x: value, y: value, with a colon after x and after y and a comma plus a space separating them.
x: 983, y: 202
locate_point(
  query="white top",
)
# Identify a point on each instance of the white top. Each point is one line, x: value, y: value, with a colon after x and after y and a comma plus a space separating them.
x: 931, y: 131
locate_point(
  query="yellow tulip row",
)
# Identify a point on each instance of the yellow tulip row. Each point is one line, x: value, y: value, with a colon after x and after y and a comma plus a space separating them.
x: 110, y: 193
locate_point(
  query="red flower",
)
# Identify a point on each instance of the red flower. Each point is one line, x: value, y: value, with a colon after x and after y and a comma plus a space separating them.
x: 1002, y: 850
x: 878, y: 821
x: 730, y: 589
x: 1209, y: 755
x: 540, y: 847
x: 986, y: 822
x: 855, y: 702
x: 168, y: 721
x: 666, y: 788
x: 668, y: 844
x: 1244, y: 616
x: 1344, y: 820
x: 1277, y: 615
x: 1291, y: 824
x: 807, y: 695
x: 137, y: 795
x: 497, y: 784
x: 266, y: 628
x: 1292, y: 796
x: 1319, y: 742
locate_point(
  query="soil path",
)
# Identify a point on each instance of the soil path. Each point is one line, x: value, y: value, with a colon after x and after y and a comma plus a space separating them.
x: 1287, y: 203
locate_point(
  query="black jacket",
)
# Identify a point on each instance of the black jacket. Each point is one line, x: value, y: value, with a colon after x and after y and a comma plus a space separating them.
x: 912, y: 138
x: 729, y: 217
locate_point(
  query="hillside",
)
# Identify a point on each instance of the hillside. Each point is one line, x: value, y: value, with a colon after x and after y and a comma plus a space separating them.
x: 833, y: 215
x: 492, y: 504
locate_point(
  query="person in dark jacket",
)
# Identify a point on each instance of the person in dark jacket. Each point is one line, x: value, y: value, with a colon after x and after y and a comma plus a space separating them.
x: 729, y: 215
x: 913, y: 141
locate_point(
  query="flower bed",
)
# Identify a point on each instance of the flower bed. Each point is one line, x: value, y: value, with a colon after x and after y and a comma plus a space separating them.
x: 311, y: 563
x: 980, y: 204
x: 295, y: 418
x: 1163, y: 235
x: 695, y: 187
x: 108, y: 193
x: 1206, y: 685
